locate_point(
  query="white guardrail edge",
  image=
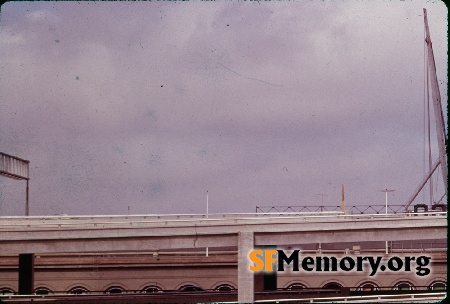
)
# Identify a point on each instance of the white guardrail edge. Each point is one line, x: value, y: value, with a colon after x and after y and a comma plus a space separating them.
x: 212, y: 216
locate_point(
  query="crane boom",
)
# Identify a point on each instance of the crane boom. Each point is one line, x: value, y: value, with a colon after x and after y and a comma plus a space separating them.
x: 436, y: 96
x: 439, y: 117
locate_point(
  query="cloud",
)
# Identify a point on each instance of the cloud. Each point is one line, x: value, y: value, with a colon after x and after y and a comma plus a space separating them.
x: 42, y: 15
x: 149, y: 105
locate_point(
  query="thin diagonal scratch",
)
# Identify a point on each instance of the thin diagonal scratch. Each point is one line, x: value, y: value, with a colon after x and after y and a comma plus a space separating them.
x: 275, y: 85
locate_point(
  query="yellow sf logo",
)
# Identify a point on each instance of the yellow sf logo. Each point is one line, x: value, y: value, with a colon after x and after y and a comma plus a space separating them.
x: 261, y: 258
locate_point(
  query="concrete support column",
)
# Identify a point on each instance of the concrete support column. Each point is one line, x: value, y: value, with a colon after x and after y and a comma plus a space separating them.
x: 246, y: 283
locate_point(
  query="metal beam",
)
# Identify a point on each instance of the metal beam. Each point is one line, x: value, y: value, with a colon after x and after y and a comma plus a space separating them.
x: 436, y: 96
x: 422, y: 184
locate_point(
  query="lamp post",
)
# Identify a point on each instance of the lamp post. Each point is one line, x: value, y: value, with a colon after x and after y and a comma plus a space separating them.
x: 321, y: 206
x: 387, y: 191
x: 207, y: 205
x: 207, y: 216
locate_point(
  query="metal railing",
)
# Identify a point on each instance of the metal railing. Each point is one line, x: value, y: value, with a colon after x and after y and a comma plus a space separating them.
x: 360, y: 209
x: 338, y: 294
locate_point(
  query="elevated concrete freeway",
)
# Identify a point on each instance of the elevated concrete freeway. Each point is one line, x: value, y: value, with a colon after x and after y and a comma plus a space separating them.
x: 66, y: 234
x: 72, y: 234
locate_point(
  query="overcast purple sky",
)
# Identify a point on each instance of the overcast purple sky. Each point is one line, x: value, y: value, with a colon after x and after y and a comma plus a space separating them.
x: 151, y: 104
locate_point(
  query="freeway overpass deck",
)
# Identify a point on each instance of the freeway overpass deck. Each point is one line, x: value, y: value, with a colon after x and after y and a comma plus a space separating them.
x: 70, y: 234
x: 115, y: 233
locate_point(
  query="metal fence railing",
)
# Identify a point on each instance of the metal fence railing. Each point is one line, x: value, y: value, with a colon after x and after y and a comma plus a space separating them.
x: 360, y: 209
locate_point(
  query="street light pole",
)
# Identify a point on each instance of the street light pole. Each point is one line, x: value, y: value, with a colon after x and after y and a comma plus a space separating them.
x: 27, y: 202
x: 386, y: 191
x: 386, y: 201
x: 321, y: 206
x: 207, y: 216
x: 207, y: 205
